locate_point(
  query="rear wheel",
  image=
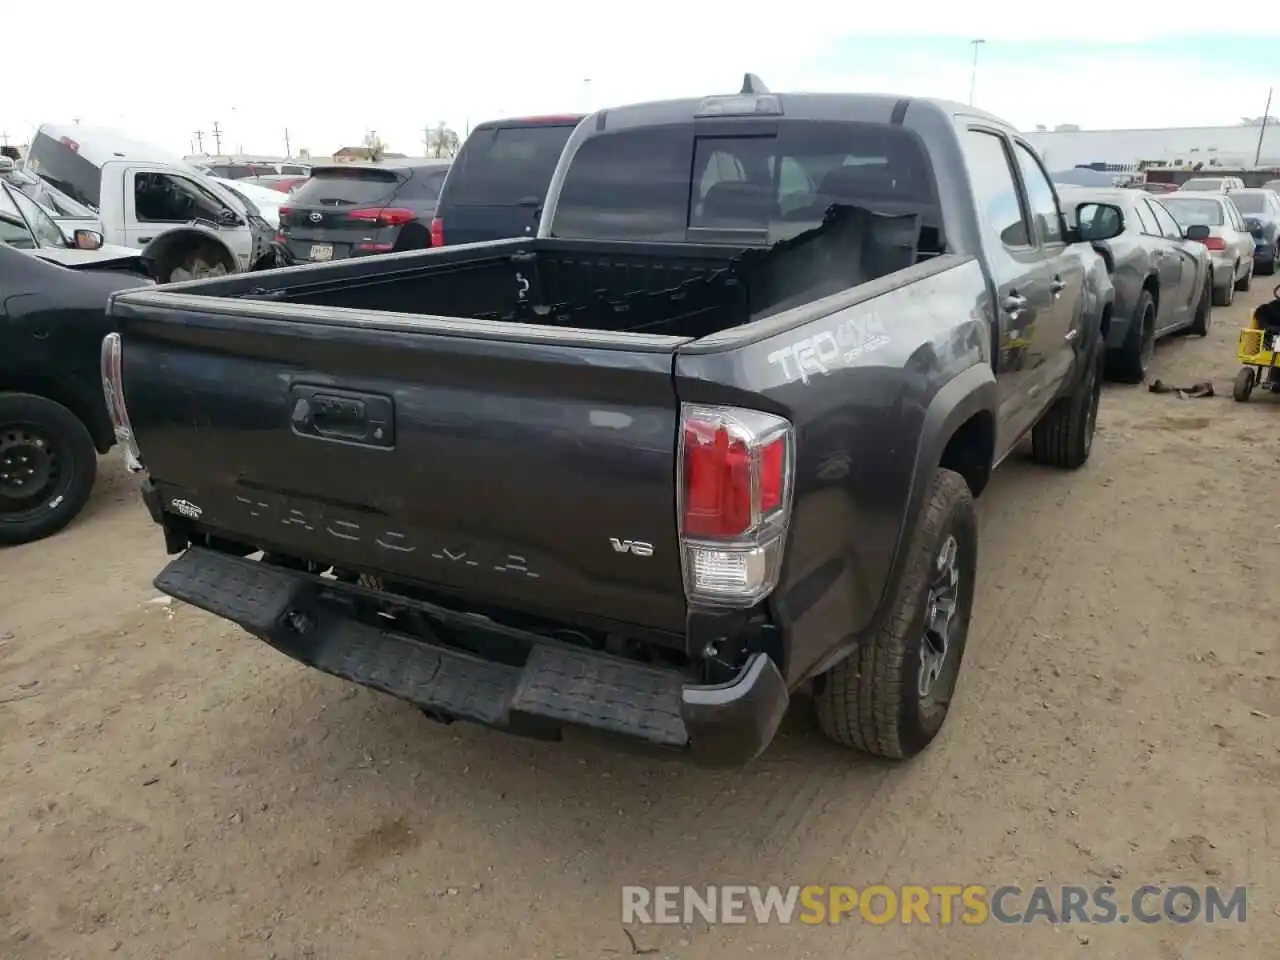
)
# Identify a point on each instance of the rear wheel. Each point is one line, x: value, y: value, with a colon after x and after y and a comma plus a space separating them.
x: 1132, y: 361
x: 1064, y: 436
x: 1225, y: 295
x: 1246, y: 281
x: 1242, y: 388
x: 1203, y: 315
x: 892, y: 695
x: 47, y: 467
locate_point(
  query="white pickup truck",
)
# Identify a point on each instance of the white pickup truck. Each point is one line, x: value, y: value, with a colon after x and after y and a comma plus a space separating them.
x: 187, y: 224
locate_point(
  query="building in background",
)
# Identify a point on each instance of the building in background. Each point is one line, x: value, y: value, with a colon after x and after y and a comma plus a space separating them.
x: 1181, y: 148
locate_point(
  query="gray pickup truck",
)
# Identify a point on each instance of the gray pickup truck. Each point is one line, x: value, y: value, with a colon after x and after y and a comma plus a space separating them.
x: 710, y: 439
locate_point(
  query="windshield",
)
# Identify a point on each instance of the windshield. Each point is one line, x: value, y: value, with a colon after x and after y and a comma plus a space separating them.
x: 54, y: 201
x: 1191, y: 212
x: 1202, y: 183
x: 1248, y: 202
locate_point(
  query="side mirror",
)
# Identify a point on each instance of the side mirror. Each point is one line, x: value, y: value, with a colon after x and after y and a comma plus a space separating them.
x: 1199, y: 233
x: 229, y: 218
x: 87, y: 240
x: 1099, y: 221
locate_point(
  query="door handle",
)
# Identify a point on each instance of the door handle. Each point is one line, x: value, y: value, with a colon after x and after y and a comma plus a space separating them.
x: 145, y: 239
x: 352, y: 416
x: 1014, y: 303
x: 1058, y: 285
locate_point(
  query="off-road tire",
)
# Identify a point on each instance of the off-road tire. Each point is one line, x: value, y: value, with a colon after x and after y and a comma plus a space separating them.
x: 1129, y: 363
x: 71, y: 444
x: 1064, y: 436
x: 870, y: 700
x: 1204, y: 310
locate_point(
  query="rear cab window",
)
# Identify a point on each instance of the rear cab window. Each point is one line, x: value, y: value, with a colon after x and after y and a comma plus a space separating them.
x: 347, y: 186
x: 674, y: 183
x: 506, y: 166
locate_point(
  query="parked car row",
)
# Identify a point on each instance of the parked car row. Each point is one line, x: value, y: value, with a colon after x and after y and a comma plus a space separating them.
x: 1174, y: 257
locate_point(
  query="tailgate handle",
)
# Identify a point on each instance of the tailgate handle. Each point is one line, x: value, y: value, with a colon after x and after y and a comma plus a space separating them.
x: 345, y: 415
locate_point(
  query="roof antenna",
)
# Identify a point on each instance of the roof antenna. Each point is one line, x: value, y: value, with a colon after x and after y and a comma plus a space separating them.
x: 753, y: 84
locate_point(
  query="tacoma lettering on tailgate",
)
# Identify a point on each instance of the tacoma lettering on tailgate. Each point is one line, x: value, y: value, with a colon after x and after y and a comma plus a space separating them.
x: 312, y: 519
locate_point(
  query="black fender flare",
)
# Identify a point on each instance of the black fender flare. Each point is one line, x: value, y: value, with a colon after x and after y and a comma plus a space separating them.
x: 972, y: 391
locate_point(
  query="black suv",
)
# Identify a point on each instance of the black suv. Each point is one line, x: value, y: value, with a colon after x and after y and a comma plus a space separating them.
x: 499, y: 179
x: 357, y: 209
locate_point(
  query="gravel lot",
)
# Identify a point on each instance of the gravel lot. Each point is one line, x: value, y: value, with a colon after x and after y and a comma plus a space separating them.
x: 170, y: 788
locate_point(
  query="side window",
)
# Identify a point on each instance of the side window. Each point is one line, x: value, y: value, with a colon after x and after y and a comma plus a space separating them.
x: 1000, y: 211
x: 167, y: 198
x: 1040, y: 196
x: 1233, y: 215
x: 1168, y: 226
x: 42, y: 225
x: 1147, y: 222
x: 13, y: 231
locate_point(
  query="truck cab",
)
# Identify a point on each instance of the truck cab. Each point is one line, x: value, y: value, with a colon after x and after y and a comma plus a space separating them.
x: 190, y: 225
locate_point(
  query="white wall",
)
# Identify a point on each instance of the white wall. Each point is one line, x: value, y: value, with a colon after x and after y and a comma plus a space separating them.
x: 1231, y: 146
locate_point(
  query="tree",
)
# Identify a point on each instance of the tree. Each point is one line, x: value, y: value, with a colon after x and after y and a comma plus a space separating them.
x: 374, y: 145
x: 442, y: 141
x: 1257, y: 121
x: 304, y: 153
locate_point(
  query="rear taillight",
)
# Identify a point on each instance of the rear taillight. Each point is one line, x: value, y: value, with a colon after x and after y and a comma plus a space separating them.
x: 735, y: 472
x: 285, y: 211
x: 1215, y: 243
x: 113, y: 388
x: 384, y: 216
x: 437, y: 232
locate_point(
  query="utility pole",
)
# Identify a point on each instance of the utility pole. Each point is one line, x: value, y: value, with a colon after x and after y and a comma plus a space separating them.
x: 973, y: 71
x: 217, y: 138
x: 287, y: 151
x: 76, y: 121
x: 199, y: 141
x: 4, y: 138
x: 586, y: 93
x: 1262, y: 131
x: 426, y: 141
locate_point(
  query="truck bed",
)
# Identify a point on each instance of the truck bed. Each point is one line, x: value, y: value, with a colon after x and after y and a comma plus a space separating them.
x: 680, y: 290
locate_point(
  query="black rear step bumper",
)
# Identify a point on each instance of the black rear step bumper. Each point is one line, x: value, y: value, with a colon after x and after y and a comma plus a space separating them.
x: 724, y: 725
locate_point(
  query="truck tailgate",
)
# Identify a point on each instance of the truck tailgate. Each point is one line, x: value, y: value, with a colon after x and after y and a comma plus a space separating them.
x: 512, y: 465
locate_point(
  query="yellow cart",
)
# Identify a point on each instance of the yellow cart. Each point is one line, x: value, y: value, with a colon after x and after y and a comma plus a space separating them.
x: 1258, y: 350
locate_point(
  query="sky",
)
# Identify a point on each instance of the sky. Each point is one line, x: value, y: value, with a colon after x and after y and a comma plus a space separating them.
x: 327, y: 73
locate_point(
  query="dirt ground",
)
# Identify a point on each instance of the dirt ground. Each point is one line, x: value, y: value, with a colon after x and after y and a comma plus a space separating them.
x: 170, y: 788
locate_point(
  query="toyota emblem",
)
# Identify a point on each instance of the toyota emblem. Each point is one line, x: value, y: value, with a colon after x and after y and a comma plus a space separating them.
x: 317, y: 217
